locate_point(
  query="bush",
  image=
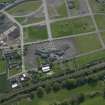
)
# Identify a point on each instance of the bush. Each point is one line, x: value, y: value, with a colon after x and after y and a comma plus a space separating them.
x: 48, y: 87
x: 70, y: 83
x: 56, y: 86
x: 40, y: 92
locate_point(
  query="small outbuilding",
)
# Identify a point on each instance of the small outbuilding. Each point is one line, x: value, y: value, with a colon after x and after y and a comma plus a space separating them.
x: 14, y: 85
x: 46, y: 68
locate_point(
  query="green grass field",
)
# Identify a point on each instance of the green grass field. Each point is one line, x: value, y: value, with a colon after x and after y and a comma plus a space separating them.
x: 62, y: 10
x: 72, y: 26
x: 94, y: 101
x: 25, y: 7
x: 89, y: 58
x: 3, y: 83
x: 35, y: 33
x: 14, y: 72
x: 25, y: 20
x: 87, y: 43
x: 1, y: 1
x: 100, y: 20
x: 20, y: 19
x: 103, y: 36
x: 59, y: 9
x: 3, y: 65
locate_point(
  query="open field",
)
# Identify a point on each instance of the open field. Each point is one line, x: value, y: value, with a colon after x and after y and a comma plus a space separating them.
x: 87, y: 43
x: 100, y: 20
x: 73, y: 26
x: 56, y: 8
x: 29, y: 20
x: 21, y: 9
x: 35, y: 33
x: 1, y: 1
x: 3, y: 66
x: 34, y: 17
x: 103, y: 36
x: 3, y: 83
x: 90, y: 58
x: 14, y: 72
x: 95, y: 101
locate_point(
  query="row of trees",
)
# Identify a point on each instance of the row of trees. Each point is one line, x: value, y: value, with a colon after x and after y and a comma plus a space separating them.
x: 66, y: 84
x: 77, y: 99
x: 74, y: 100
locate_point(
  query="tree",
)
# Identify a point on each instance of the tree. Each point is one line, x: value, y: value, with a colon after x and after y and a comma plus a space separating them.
x: 76, y: 99
x: 92, y: 79
x: 56, y: 86
x: 48, y: 87
x: 56, y: 103
x: 81, y: 98
x: 65, y: 103
x: 103, y: 94
x: 81, y: 81
x: 70, y: 83
x: 40, y: 92
x: 31, y: 95
x: 72, y: 101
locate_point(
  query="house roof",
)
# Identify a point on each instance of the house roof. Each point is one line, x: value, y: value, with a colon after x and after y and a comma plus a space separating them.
x: 46, y: 68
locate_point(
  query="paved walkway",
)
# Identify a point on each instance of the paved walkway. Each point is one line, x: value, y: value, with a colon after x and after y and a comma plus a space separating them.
x: 47, y: 20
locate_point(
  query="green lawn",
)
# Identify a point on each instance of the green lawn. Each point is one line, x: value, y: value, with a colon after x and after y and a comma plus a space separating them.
x: 25, y: 7
x: 14, y: 72
x: 2, y: 64
x: 103, y: 36
x: 62, y: 95
x: 100, y: 20
x: 59, y: 9
x: 20, y: 19
x: 3, y: 83
x: 94, y: 101
x: 87, y: 43
x: 35, y: 33
x: 62, y: 10
x: 25, y: 20
x: 91, y: 57
x: 72, y: 26
x: 1, y: 1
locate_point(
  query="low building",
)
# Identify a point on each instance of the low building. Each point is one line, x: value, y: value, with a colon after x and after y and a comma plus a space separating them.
x: 23, y: 77
x: 14, y: 85
x: 46, y: 68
